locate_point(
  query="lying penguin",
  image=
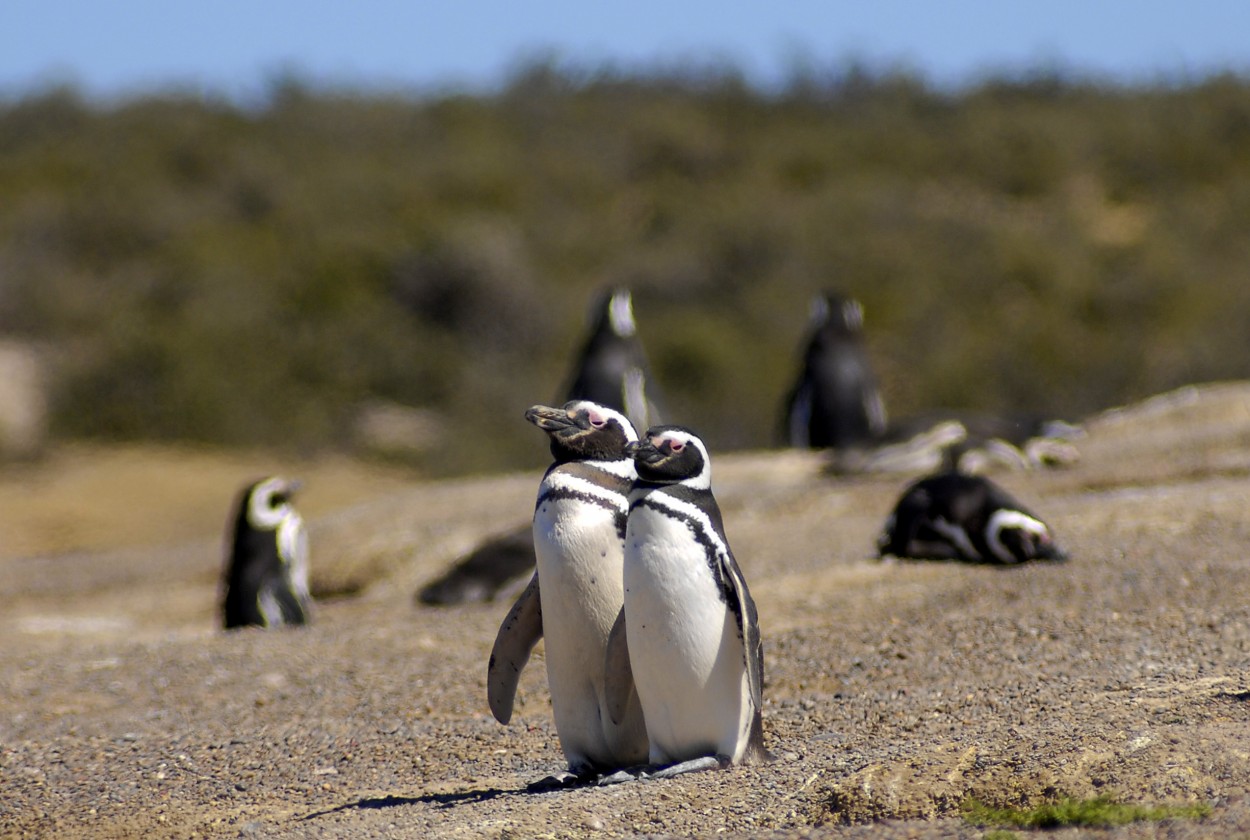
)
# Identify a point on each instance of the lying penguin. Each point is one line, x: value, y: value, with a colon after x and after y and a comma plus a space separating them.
x: 955, y: 516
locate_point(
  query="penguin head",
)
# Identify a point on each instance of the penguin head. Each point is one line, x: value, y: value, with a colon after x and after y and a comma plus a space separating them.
x: 268, y: 502
x: 836, y: 314
x: 582, y: 430
x: 672, y: 455
x: 1015, y: 537
x: 616, y: 313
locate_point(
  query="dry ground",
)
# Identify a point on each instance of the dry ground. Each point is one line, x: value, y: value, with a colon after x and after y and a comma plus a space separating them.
x: 895, y: 690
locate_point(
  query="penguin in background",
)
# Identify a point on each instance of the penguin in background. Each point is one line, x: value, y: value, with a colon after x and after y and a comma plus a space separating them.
x: 956, y: 516
x: 688, y: 639
x: 611, y: 368
x: 266, y: 576
x: 576, y: 593
x: 836, y: 402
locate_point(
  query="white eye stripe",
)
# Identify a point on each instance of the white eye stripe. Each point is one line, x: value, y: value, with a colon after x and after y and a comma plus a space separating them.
x: 261, y: 512
x: 595, y: 410
x: 1003, y: 519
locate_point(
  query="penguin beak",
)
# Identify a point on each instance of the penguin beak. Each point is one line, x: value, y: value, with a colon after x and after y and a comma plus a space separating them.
x: 550, y: 420
x: 644, y: 451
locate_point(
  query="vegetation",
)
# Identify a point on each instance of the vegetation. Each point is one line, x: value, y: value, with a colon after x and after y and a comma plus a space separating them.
x: 203, y: 270
x: 1099, y: 812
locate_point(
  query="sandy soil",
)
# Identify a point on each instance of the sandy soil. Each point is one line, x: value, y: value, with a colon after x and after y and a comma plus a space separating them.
x: 894, y: 690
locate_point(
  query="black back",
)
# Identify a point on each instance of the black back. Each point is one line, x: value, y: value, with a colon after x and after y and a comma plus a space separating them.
x: 612, y: 368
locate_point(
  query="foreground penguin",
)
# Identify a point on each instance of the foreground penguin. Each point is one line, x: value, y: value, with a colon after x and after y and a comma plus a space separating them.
x: 955, y: 516
x: 576, y: 593
x: 836, y: 402
x: 266, y: 582
x: 612, y: 367
x: 689, y: 632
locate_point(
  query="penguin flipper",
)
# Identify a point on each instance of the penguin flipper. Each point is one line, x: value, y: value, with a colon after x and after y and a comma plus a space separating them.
x: 618, y: 673
x: 520, y: 631
x: 742, y: 606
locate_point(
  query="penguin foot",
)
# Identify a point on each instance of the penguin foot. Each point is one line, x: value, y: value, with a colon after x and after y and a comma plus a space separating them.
x: 556, y: 781
x: 665, y: 771
x: 628, y: 774
x: 694, y: 765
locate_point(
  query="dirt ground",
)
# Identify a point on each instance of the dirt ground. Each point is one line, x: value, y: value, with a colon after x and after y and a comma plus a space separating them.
x: 894, y: 691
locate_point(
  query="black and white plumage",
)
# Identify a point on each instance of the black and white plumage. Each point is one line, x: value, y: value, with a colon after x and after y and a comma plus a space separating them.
x: 576, y: 593
x: 611, y: 368
x: 690, y: 627
x: 955, y: 516
x: 266, y: 580
x: 836, y: 402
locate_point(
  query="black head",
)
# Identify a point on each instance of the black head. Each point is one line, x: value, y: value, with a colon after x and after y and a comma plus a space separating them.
x: 672, y: 455
x: 614, y: 314
x: 267, y: 502
x: 835, y: 314
x: 1016, y: 536
x: 584, y: 431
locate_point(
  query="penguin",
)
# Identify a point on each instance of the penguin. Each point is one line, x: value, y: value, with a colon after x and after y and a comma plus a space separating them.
x: 575, y: 596
x: 955, y: 516
x: 611, y: 368
x: 689, y: 628
x: 266, y: 579
x: 488, y: 571
x: 836, y: 402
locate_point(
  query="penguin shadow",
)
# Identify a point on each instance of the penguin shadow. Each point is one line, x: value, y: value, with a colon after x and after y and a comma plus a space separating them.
x: 438, y: 800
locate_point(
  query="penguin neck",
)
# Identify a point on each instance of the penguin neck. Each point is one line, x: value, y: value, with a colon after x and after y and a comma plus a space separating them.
x: 622, y: 468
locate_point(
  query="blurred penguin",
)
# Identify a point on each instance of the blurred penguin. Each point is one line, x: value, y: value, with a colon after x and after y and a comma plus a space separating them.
x: 955, y: 516
x: 611, y: 370
x: 612, y: 367
x: 267, y: 571
x: 836, y: 402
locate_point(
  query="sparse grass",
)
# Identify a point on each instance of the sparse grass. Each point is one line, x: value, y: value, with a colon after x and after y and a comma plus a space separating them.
x: 1099, y: 812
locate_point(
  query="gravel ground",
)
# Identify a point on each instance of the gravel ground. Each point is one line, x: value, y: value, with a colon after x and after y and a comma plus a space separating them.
x: 894, y: 691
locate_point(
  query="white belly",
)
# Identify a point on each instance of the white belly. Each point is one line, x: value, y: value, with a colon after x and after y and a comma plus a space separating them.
x: 687, y: 659
x: 579, y: 573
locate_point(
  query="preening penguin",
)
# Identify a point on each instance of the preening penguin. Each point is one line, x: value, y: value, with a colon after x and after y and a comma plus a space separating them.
x: 576, y: 593
x: 954, y: 516
x: 836, y: 402
x: 612, y: 367
x: 690, y: 626
x: 266, y: 579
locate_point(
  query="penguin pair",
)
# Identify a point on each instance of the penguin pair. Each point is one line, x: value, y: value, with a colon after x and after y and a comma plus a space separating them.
x: 836, y: 402
x: 956, y: 516
x: 266, y: 576
x: 635, y: 588
x: 610, y: 370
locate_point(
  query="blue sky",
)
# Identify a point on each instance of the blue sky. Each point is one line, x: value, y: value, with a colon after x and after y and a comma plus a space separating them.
x: 120, y: 47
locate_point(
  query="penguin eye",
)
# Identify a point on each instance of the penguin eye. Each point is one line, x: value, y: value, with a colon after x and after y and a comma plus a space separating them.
x: 597, y: 420
x: 676, y: 446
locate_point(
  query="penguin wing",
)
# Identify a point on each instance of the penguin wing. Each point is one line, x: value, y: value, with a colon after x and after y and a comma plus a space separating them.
x: 742, y: 605
x: 520, y: 631
x: 799, y: 416
x: 618, y: 673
